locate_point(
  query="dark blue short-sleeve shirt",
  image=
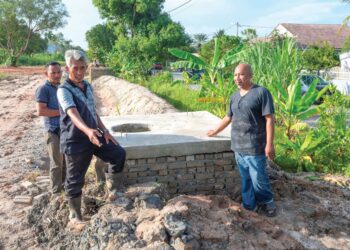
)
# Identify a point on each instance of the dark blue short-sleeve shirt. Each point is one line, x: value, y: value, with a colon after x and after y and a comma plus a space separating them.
x: 47, y: 93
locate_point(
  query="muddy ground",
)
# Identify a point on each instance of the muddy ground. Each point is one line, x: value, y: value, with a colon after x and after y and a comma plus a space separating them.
x: 313, y: 210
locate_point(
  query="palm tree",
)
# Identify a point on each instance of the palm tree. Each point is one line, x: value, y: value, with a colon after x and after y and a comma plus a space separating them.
x: 199, y: 40
x: 219, y: 33
x: 346, y: 19
x: 249, y: 34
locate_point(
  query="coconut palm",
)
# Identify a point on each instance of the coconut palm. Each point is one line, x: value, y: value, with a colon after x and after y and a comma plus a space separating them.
x: 199, y: 40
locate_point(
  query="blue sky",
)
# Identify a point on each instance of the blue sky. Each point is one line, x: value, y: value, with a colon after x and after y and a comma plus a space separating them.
x: 209, y: 16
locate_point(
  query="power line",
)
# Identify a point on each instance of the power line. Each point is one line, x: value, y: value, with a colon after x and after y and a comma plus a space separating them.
x: 238, y: 25
x: 178, y: 7
x: 258, y: 27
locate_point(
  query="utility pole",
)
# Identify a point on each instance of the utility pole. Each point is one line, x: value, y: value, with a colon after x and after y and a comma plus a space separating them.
x: 237, y: 27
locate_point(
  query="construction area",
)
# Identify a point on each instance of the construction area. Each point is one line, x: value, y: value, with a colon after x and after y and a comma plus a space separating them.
x: 183, y: 187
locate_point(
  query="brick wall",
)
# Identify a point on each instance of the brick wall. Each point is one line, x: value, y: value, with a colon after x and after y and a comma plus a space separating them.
x: 200, y: 173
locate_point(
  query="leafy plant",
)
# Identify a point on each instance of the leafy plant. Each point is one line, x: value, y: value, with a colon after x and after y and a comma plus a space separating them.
x: 179, y: 94
x: 214, y: 82
x: 219, y: 61
x: 320, y: 56
x: 273, y: 62
x: 301, y: 149
x: 294, y: 106
x: 334, y: 156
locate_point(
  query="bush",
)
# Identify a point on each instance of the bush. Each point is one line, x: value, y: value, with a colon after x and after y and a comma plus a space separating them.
x: 40, y: 59
x: 324, y: 148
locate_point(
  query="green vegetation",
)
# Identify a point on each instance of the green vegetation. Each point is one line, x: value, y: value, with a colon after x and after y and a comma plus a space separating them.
x: 278, y: 62
x: 22, y: 22
x: 217, y: 81
x: 40, y: 59
x: 276, y: 66
x: 180, y: 95
x: 101, y: 39
x: 137, y: 35
x: 142, y: 35
x: 320, y: 56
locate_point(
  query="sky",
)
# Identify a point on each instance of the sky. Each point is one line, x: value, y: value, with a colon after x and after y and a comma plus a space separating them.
x: 209, y: 16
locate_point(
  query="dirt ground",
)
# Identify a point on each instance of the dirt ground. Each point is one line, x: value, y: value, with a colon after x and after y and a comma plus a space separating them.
x: 315, y: 214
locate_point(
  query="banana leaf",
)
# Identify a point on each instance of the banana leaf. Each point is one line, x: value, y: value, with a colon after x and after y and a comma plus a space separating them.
x: 217, y: 53
x: 308, y: 113
x: 187, y: 56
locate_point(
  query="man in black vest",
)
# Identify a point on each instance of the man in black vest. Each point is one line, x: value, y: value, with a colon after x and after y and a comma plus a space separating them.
x: 84, y: 135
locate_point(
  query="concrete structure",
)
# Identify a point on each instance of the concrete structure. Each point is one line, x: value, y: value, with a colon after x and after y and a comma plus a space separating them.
x: 173, y: 149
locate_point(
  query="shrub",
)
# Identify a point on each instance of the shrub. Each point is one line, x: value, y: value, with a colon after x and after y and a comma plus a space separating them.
x: 40, y: 59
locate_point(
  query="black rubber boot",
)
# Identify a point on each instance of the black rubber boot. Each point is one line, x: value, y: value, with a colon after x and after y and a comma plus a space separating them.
x: 115, y: 184
x: 100, y: 168
x: 75, y: 209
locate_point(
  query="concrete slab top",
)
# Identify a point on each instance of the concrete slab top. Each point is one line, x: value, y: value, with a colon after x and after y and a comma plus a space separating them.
x: 169, y: 134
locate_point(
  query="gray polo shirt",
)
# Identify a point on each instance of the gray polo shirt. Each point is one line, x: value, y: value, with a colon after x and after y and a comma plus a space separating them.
x: 248, y: 131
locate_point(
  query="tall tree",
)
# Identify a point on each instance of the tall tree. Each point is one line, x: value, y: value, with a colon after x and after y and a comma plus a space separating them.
x: 21, y: 19
x: 101, y: 39
x: 226, y: 43
x: 37, y: 44
x: 219, y: 33
x: 249, y: 34
x: 143, y: 34
x: 130, y: 15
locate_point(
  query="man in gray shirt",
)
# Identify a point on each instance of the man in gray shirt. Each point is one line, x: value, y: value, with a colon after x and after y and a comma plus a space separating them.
x: 251, y: 112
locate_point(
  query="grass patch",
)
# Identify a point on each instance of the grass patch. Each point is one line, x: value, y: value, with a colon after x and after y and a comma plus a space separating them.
x: 39, y: 59
x: 180, y: 95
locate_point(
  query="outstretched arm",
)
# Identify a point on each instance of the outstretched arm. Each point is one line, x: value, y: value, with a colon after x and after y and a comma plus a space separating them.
x: 223, y: 124
x: 92, y: 134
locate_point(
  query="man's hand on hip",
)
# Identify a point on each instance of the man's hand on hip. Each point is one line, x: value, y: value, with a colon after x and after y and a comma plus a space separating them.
x: 93, y: 135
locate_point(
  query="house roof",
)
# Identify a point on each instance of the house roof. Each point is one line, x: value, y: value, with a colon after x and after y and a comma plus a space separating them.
x: 308, y: 34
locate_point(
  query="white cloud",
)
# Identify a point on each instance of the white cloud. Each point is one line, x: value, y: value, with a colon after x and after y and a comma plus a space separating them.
x: 314, y: 12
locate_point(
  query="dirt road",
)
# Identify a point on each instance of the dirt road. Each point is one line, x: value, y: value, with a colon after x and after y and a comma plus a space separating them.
x: 21, y: 152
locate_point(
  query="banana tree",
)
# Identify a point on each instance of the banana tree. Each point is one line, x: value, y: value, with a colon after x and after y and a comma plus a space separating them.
x: 212, y: 69
x: 301, y: 150
x: 293, y: 105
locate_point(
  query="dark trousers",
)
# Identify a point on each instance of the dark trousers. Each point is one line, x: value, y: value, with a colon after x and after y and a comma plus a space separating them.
x: 78, y: 164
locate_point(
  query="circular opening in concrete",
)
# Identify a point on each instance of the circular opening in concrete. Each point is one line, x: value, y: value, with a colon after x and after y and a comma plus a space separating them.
x: 131, y: 128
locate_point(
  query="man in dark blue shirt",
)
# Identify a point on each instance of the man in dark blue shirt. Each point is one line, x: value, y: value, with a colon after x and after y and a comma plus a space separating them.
x: 251, y: 112
x: 47, y: 107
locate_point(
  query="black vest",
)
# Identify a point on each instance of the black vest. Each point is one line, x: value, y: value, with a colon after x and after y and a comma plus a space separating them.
x: 72, y: 139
